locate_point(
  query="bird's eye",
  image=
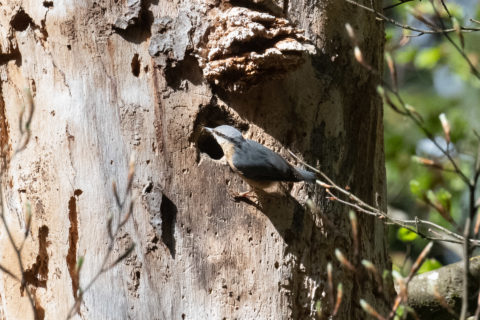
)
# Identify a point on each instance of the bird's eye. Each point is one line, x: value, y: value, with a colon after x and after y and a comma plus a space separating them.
x: 220, y: 134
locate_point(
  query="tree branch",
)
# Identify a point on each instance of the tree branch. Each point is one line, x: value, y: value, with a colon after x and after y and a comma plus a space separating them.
x: 425, y: 290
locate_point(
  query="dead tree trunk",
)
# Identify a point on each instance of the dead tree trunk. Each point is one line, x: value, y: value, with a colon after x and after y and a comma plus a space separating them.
x: 112, y: 78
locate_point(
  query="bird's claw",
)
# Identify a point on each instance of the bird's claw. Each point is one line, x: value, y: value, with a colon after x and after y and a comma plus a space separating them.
x: 237, y: 196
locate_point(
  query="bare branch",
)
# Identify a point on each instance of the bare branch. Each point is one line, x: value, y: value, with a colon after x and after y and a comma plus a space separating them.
x: 396, y: 4
x: 473, y: 69
x: 425, y: 289
x: 408, y: 27
x: 113, y: 228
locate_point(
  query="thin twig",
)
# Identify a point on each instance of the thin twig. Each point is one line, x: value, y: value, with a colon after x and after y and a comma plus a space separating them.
x: 473, y: 69
x: 408, y: 27
x: 363, y: 207
x: 25, y: 134
x: 396, y: 4
x: 18, y: 255
x: 113, y: 230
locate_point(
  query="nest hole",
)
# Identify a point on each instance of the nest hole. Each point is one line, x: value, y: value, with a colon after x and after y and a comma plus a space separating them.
x: 212, y: 115
x: 207, y: 144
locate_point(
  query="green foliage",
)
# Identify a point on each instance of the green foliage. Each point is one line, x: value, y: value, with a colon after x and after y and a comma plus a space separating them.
x: 427, y: 58
x: 435, y: 78
x: 429, y: 265
x: 406, y: 55
x: 444, y: 198
x: 406, y: 235
x: 400, y: 313
x: 417, y: 189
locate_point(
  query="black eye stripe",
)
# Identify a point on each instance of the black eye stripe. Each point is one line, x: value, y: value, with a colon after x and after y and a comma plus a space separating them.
x: 222, y: 135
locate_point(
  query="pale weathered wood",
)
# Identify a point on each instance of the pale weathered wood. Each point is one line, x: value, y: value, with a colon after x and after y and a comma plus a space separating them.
x: 100, y: 96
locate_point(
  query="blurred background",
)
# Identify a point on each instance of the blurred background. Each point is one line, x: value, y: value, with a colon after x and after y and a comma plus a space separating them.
x: 433, y: 78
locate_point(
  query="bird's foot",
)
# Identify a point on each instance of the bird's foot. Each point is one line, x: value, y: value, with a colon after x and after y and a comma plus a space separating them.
x: 237, y: 196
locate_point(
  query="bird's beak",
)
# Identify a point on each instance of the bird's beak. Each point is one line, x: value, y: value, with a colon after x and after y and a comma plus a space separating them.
x: 209, y: 130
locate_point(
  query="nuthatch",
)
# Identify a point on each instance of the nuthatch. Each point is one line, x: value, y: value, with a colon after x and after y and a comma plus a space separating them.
x: 259, y: 166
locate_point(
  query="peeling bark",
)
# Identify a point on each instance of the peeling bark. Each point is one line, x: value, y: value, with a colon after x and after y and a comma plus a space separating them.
x: 130, y: 16
x: 236, y: 47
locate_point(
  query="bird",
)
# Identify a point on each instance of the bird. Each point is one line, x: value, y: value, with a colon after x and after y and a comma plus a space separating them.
x: 259, y: 166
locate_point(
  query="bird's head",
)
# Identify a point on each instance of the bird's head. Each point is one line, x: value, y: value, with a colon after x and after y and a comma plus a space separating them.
x: 225, y: 135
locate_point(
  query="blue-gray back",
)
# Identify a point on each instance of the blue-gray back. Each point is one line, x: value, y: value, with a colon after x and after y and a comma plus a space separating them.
x: 257, y: 162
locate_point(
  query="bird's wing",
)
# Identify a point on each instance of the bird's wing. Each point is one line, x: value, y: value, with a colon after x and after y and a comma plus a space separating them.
x: 254, y: 161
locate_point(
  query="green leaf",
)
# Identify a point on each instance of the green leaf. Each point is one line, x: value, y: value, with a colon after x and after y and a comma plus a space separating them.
x: 445, y: 199
x: 428, y: 58
x: 416, y: 188
x: 406, y: 55
x: 429, y: 265
x: 431, y: 196
x: 406, y: 235
x: 389, y: 34
x: 400, y: 312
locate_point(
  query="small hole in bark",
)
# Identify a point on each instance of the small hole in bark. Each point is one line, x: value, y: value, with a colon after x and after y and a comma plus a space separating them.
x: 135, y: 65
x: 148, y: 188
x: 168, y: 211
x: 187, y: 69
x: 21, y: 21
x: 69, y: 47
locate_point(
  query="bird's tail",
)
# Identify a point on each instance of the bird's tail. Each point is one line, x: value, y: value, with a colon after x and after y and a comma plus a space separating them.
x: 307, y: 175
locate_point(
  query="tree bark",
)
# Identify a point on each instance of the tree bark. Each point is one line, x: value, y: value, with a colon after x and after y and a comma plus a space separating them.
x: 431, y: 293
x: 112, y: 78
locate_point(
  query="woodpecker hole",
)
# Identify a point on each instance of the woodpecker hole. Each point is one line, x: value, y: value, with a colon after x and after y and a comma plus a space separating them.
x: 135, y: 65
x: 183, y: 72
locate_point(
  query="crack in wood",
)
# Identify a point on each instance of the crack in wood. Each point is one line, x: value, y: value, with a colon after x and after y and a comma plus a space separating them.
x: 5, y: 147
x: 73, y: 242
